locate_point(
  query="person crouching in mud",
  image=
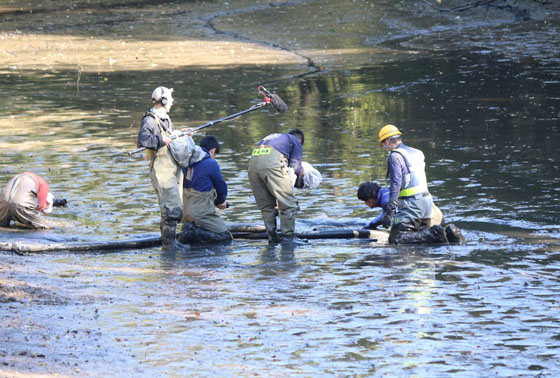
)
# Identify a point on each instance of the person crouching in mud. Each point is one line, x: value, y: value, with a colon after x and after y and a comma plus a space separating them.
x: 25, y: 198
x: 374, y: 196
x: 409, y: 208
x: 204, y: 191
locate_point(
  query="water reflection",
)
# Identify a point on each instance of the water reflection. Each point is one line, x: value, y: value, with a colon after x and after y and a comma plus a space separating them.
x: 489, y: 129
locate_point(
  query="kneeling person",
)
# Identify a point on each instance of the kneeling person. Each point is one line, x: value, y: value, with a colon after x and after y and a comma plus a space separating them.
x: 204, y: 191
x: 409, y: 209
x: 374, y: 195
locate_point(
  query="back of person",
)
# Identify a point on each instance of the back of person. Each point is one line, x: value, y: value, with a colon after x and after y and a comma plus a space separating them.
x: 271, y: 182
x: 23, y: 199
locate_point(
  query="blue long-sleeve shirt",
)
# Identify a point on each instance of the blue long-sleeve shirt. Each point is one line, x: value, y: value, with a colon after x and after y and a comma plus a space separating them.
x: 382, y: 200
x: 289, y: 146
x: 206, y: 174
x: 397, y: 169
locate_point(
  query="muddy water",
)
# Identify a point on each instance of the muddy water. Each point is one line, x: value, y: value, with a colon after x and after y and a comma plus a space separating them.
x: 489, y: 128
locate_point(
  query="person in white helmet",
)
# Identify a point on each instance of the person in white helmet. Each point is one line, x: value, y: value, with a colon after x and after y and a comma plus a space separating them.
x: 155, y: 135
x: 25, y: 199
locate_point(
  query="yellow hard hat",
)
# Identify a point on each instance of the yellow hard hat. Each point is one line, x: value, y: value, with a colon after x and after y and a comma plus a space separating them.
x: 388, y: 131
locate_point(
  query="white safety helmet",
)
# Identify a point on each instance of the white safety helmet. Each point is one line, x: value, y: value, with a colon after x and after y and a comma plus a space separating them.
x: 163, y: 95
x: 49, y: 206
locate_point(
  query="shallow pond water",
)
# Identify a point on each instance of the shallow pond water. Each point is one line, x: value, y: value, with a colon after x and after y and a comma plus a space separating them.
x: 489, y: 127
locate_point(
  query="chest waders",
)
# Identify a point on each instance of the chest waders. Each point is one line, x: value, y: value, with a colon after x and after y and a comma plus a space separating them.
x: 199, y: 209
x: 167, y: 180
x: 273, y: 191
x: 413, y: 223
x: 201, y: 223
x: 19, y: 202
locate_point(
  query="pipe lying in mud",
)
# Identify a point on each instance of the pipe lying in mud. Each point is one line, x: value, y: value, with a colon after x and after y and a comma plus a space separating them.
x: 251, y: 232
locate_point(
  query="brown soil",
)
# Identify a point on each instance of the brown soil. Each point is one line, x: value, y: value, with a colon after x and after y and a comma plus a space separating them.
x: 124, y: 35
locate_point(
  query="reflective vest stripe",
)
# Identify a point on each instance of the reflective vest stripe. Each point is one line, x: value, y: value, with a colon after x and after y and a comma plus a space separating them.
x: 261, y: 151
x: 413, y: 191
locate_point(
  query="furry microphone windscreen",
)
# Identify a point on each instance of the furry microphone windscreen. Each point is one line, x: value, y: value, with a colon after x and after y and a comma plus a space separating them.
x: 277, y: 102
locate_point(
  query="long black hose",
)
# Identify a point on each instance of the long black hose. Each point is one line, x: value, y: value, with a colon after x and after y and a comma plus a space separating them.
x: 238, y: 232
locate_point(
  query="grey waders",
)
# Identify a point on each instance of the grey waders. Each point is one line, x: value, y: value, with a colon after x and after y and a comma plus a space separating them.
x: 273, y: 191
x: 167, y: 180
x: 201, y: 223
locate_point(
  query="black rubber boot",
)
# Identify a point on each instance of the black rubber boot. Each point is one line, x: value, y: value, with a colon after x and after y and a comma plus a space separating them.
x: 454, y: 234
x: 270, y: 225
x: 437, y: 234
x: 193, y: 234
x: 432, y: 235
x: 204, y: 236
x: 273, y: 237
x: 187, y: 235
x: 168, y: 241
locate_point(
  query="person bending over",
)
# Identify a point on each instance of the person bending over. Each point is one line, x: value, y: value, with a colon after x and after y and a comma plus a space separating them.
x: 374, y: 196
x: 272, y: 185
x: 25, y: 199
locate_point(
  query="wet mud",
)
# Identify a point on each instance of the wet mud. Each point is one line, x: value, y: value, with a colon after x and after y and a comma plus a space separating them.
x: 476, y: 90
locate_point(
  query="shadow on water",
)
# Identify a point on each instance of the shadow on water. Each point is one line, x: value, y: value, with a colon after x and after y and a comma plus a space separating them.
x: 489, y: 130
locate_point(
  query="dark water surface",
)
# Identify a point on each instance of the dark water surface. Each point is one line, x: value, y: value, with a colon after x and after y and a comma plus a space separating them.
x: 489, y: 127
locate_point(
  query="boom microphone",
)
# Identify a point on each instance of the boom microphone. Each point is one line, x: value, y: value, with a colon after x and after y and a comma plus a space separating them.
x: 269, y: 98
x: 273, y: 99
x: 278, y: 104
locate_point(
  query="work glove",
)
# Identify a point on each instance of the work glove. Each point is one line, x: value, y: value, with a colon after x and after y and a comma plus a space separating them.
x: 299, y: 182
x: 389, y: 213
x: 371, y: 225
x: 60, y: 202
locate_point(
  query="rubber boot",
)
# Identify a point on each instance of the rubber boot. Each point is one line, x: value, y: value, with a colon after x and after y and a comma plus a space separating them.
x: 205, y: 236
x: 270, y: 225
x: 168, y: 241
x: 288, y: 231
x: 187, y: 235
x: 404, y: 235
x: 454, y: 234
x: 436, y: 234
x: 291, y: 239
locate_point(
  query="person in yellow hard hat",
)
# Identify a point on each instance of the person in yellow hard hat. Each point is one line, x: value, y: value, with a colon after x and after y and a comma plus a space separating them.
x: 410, y: 204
